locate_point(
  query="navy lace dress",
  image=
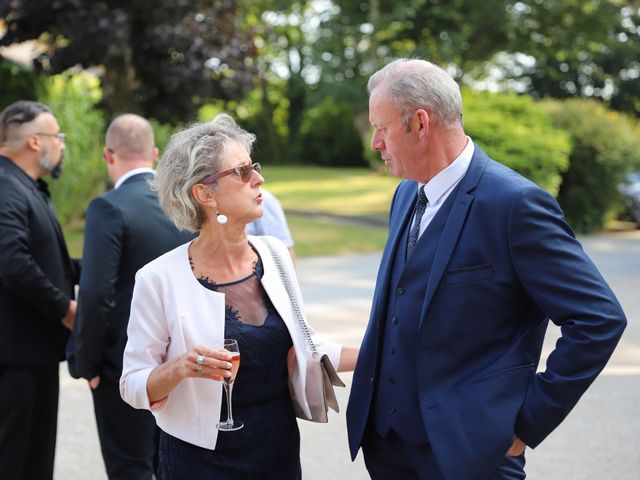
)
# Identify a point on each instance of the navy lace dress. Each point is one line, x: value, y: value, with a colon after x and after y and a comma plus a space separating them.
x: 268, y: 447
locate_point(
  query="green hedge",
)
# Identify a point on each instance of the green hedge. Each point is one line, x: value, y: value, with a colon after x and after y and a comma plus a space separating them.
x: 73, y: 99
x: 518, y: 132
x: 162, y: 133
x: 606, y: 145
x: 329, y: 137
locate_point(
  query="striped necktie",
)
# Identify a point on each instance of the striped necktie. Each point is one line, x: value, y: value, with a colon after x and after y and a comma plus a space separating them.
x: 414, y: 234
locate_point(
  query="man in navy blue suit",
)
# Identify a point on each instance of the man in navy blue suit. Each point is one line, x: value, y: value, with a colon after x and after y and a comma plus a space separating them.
x: 125, y: 229
x: 477, y: 261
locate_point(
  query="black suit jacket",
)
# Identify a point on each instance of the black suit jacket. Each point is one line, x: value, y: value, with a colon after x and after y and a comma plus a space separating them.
x: 125, y: 229
x: 36, y: 274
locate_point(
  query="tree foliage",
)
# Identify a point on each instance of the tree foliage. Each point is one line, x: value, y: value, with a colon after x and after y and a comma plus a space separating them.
x: 328, y: 136
x: 18, y: 83
x: 295, y: 73
x: 519, y: 133
x: 456, y: 32
x: 577, y: 48
x: 281, y: 32
x: 550, y: 48
x: 605, y: 145
x: 163, y: 59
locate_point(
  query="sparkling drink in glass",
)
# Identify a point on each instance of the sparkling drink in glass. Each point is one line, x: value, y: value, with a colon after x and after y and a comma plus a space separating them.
x: 230, y: 424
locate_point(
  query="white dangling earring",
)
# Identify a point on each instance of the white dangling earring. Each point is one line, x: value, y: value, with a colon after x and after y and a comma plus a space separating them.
x: 221, y: 218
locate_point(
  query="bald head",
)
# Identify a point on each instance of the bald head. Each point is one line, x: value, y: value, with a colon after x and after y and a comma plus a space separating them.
x: 412, y: 84
x: 129, y: 145
x: 131, y: 137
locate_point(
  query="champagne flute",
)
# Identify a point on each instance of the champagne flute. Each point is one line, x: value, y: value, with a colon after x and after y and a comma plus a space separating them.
x: 229, y: 424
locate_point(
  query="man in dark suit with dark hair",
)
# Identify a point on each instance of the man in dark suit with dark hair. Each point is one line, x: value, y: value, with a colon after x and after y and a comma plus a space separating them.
x: 478, y: 260
x: 125, y: 228
x: 37, y: 280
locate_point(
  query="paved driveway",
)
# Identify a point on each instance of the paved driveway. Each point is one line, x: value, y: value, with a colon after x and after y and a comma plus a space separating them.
x: 597, y: 441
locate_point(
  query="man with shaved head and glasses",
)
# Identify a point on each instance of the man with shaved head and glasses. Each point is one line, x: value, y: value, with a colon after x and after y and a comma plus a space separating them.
x: 125, y: 228
x: 37, y: 279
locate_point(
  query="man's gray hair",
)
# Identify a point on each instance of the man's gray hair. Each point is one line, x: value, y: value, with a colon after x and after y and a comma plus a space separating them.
x: 193, y: 154
x: 413, y: 84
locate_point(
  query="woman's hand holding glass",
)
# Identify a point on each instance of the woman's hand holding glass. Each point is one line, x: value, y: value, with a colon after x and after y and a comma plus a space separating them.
x: 205, y: 362
x: 199, y: 362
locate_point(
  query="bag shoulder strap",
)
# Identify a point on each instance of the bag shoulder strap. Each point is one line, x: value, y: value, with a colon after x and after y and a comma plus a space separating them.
x: 286, y: 281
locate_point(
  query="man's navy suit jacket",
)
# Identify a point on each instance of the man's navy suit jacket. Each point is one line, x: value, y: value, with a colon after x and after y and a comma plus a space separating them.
x: 506, y: 262
x: 125, y: 229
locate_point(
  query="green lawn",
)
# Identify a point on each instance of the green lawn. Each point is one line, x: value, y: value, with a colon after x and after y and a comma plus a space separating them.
x: 321, y: 236
x: 345, y: 191
x: 342, y: 192
x: 308, y: 192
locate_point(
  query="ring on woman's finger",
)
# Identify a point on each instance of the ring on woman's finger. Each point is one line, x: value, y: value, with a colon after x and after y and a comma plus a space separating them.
x: 200, y: 368
x: 200, y: 360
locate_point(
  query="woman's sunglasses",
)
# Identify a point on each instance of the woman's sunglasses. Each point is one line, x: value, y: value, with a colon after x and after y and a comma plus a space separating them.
x: 244, y: 172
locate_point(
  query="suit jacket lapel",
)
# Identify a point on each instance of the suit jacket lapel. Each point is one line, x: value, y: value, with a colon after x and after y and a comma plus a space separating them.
x: 45, y: 199
x: 43, y: 194
x: 455, y: 221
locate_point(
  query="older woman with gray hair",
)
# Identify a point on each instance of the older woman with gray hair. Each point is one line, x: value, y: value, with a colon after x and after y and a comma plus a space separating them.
x: 223, y: 284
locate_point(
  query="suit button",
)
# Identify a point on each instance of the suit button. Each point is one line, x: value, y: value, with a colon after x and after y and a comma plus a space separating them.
x: 394, y: 320
x: 392, y: 351
x: 393, y: 410
x: 392, y: 379
x: 371, y: 379
x: 400, y: 290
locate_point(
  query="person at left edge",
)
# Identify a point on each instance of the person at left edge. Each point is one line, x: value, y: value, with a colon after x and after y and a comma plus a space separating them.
x: 125, y: 228
x: 37, y: 279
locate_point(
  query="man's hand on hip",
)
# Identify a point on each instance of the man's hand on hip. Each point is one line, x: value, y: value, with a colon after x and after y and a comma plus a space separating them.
x: 70, y: 317
x: 94, y: 382
x: 517, y: 448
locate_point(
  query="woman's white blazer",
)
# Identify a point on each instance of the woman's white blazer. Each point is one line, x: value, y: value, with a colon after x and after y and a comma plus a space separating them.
x: 171, y: 312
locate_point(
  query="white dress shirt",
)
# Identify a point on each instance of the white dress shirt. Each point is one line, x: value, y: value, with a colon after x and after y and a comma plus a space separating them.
x: 440, y: 187
x: 131, y: 173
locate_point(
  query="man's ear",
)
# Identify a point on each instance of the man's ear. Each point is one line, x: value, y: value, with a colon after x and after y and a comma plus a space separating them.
x: 422, y: 122
x: 155, y: 154
x: 32, y: 142
x: 108, y: 156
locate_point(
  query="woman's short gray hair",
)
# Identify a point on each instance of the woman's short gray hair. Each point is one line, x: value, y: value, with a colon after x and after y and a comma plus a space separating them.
x: 413, y: 84
x: 193, y: 154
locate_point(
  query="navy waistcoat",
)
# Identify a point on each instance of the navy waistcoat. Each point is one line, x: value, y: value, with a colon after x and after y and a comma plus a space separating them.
x: 396, y: 404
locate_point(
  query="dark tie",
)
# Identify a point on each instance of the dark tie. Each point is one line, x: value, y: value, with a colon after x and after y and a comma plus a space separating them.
x: 421, y: 205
